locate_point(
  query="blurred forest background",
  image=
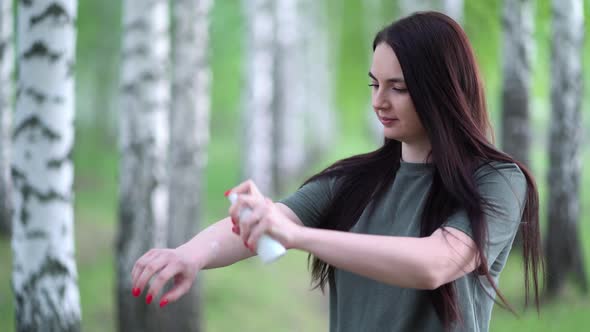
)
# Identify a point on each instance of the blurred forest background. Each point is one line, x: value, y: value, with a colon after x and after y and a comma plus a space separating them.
x: 284, y: 82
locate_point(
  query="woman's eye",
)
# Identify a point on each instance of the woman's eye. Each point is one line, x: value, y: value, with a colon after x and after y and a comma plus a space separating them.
x: 400, y: 90
x: 374, y: 85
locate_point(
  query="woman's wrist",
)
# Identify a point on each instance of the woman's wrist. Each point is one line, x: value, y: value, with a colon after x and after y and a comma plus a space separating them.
x: 300, y: 236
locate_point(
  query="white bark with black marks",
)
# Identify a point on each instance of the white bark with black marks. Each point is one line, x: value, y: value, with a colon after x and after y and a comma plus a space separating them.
x: 563, y: 247
x: 44, y: 276
x: 257, y: 117
x: 143, y: 150
x: 6, y: 109
x: 407, y: 7
x: 454, y: 9
x: 517, y: 25
x: 289, y: 102
x: 372, y: 10
x: 321, y: 59
x: 189, y: 139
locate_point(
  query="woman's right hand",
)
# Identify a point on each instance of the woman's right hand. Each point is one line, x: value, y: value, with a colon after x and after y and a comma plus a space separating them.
x: 164, y: 264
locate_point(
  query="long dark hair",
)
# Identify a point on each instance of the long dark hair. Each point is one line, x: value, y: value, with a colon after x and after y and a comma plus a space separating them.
x: 442, y: 78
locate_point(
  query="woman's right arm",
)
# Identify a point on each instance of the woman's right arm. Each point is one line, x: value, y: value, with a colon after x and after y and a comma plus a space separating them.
x: 216, y: 246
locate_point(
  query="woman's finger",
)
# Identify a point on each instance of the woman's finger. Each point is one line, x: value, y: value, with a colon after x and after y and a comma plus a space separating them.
x: 167, y: 273
x: 246, y: 187
x: 140, y: 264
x: 256, y: 232
x: 149, y: 270
x: 179, y: 289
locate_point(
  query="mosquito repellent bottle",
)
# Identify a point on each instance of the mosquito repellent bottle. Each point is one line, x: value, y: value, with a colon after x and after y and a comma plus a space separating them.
x: 268, y: 249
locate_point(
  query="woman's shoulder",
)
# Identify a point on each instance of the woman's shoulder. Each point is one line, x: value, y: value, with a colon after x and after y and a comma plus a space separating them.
x: 493, y: 170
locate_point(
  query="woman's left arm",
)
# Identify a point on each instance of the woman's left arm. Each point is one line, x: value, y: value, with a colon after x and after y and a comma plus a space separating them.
x: 423, y: 263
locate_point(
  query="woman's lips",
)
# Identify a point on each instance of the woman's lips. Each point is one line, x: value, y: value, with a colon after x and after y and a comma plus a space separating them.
x: 387, y: 121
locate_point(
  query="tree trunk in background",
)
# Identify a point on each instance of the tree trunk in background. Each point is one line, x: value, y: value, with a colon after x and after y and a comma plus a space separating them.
x: 453, y: 8
x: 517, y: 23
x: 189, y: 138
x: 44, y: 276
x: 6, y: 109
x: 407, y: 7
x: 372, y: 10
x: 257, y: 118
x: 563, y: 248
x: 321, y: 61
x: 289, y: 103
x: 144, y: 134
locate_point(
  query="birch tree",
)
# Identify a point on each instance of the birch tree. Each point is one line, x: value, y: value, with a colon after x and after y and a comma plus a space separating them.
x: 517, y: 26
x: 143, y: 135
x: 372, y: 10
x: 289, y: 102
x: 6, y: 109
x: 320, y: 59
x: 563, y: 248
x: 407, y: 7
x: 454, y: 9
x: 257, y: 116
x: 44, y: 277
x: 189, y: 138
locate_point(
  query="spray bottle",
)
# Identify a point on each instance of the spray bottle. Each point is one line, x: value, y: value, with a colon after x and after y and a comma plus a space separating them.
x: 268, y: 249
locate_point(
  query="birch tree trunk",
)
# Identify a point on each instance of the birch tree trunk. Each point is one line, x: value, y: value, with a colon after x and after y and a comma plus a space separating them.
x: 44, y: 277
x: 321, y: 59
x: 564, y: 254
x: 453, y: 8
x: 144, y: 135
x: 189, y: 138
x: 407, y: 7
x: 257, y: 117
x: 372, y: 10
x: 289, y: 102
x: 517, y: 23
x: 6, y: 109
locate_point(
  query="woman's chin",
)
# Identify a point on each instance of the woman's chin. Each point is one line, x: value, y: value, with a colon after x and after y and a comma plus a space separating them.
x: 391, y: 135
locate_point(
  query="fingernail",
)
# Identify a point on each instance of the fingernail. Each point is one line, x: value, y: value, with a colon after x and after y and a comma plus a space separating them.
x: 148, y: 299
x: 163, y: 303
x: 227, y: 192
x: 234, y: 229
x: 136, y: 291
x: 234, y: 221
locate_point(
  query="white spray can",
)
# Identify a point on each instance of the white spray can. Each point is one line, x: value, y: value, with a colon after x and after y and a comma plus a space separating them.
x: 268, y: 249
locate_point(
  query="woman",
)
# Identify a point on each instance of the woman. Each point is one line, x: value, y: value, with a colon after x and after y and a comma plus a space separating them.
x: 412, y: 236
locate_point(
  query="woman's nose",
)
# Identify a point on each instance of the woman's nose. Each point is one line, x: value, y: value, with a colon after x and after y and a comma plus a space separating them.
x: 379, y: 101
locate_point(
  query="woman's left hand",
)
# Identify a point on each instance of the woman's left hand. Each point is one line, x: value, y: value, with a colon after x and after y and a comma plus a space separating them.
x: 265, y: 218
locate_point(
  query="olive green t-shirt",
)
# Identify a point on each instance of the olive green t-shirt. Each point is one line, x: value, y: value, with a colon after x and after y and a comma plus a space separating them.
x: 358, y: 303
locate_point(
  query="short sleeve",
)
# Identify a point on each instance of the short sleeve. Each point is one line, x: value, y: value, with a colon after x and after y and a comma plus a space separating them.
x: 312, y: 201
x: 504, y: 189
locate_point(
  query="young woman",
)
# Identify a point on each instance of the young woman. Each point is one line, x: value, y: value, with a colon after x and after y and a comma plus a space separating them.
x: 412, y: 236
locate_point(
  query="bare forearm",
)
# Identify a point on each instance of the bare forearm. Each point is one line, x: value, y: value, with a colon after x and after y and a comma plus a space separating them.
x: 216, y: 246
x: 401, y: 261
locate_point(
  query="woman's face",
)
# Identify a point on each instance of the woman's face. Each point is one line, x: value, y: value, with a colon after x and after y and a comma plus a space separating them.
x: 391, y: 99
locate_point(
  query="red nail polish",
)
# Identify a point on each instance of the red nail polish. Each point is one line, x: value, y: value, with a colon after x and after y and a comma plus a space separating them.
x: 233, y: 229
x: 149, y: 299
x: 227, y: 192
x: 136, y: 291
x: 163, y: 303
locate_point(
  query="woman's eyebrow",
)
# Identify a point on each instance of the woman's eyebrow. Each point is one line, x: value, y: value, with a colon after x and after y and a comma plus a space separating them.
x: 389, y: 80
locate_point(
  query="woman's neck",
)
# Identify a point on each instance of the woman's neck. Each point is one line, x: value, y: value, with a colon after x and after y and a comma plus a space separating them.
x: 416, y: 152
